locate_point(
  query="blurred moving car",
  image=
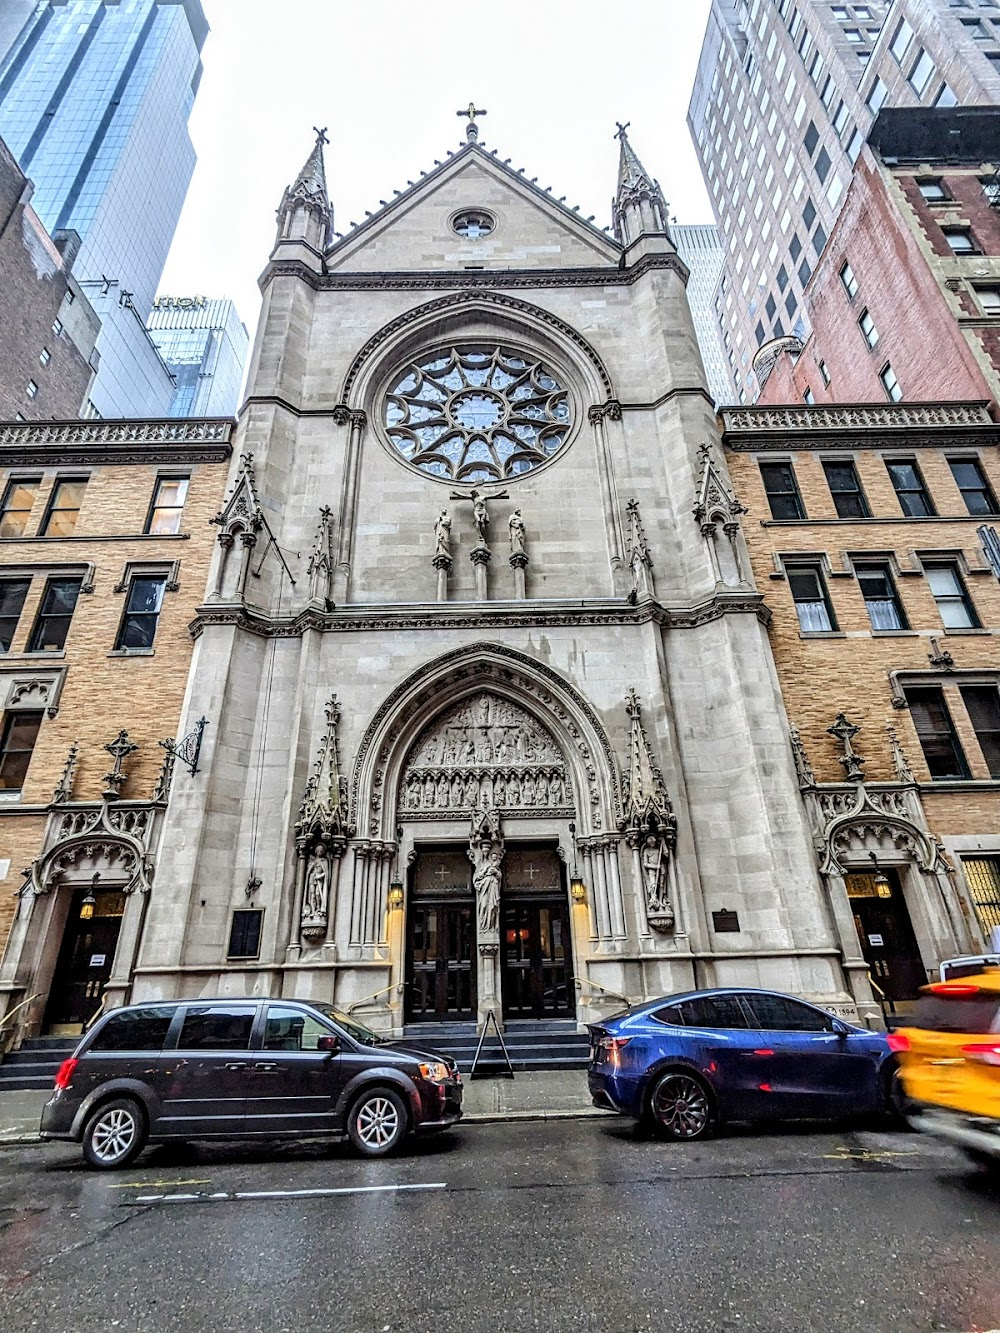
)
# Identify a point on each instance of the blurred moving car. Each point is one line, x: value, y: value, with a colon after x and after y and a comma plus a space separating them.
x: 949, y: 1058
x: 688, y: 1062
x: 230, y: 1069
x: 969, y: 965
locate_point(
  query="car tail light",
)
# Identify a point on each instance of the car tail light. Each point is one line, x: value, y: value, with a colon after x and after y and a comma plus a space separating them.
x: 613, y: 1046
x: 898, y: 1041
x: 949, y: 988
x: 65, y: 1075
x: 986, y: 1053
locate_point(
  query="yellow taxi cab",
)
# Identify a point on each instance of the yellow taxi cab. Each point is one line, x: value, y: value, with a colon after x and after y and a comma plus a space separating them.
x: 949, y: 1060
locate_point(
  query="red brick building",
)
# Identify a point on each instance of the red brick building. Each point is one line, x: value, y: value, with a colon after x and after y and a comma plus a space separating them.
x: 905, y: 300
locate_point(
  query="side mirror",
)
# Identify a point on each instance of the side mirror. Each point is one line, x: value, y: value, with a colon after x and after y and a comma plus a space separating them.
x: 330, y: 1044
x: 841, y: 1029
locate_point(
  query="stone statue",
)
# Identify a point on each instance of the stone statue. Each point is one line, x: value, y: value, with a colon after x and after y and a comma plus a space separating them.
x: 314, y: 902
x: 486, y: 879
x: 480, y: 516
x: 442, y: 535
x: 516, y: 528
x: 654, y: 872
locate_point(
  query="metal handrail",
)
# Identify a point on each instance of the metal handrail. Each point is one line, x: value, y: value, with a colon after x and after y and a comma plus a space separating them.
x: 883, y: 999
x: 579, y: 982
x: 30, y: 1000
x: 396, y: 986
x: 100, y: 1010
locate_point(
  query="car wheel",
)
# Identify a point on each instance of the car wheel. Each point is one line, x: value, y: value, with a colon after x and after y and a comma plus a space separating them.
x: 680, y: 1107
x: 115, y: 1134
x: 897, y: 1102
x: 378, y: 1122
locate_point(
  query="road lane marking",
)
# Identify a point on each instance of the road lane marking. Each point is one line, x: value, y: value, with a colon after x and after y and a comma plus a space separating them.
x: 242, y: 1195
x: 152, y: 1184
x: 846, y: 1154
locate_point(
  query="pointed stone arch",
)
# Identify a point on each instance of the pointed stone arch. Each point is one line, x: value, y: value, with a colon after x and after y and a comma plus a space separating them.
x: 506, y: 674
x: 446, y: 317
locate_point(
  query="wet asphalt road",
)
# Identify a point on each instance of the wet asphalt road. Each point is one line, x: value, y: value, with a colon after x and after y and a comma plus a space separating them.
x: 581, y: 1225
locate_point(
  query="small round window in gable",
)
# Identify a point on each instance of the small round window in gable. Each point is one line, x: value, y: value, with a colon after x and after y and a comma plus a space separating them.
x: 473, y: 224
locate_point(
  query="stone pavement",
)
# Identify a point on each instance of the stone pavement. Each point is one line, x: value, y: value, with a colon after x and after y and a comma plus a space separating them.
x: 556, y: 1095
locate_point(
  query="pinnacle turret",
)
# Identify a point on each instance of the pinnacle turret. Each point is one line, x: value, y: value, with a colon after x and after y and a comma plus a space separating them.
x: 639, y: 206
x: 305, y: 212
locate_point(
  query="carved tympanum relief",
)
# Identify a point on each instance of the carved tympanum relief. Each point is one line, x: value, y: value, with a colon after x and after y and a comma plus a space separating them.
x: 486, y: 751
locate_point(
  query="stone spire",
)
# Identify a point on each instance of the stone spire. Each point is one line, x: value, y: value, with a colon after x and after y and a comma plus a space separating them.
x: 639, y: 207
x: 305, y: 213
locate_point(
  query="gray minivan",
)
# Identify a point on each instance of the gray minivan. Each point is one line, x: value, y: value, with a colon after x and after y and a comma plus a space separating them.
x: 228, y: 1069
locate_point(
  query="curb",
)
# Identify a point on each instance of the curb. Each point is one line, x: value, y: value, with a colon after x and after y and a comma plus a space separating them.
x: 18, y: 1140
x: 499, y: 1117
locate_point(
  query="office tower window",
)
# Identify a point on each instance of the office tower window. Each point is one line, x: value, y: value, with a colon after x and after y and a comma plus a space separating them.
x: 782, y: 491
x: 876, y: 97
x: 946, y: 96
x: 32, y: 389
x: 901, y: 41
x: 868, y: 330
x: 12, y: 595
x: 812, y: 605
x: 936, y: 734
x: 64, y: 508
x: 45, y: 356
x: 809, y: 214
x: 841, y: 120
x: 891, y: 385
x: 989, y: 300
x: 15, y: 508
x: 782, y: 278
x: 885, y: 611
x: 819, y: 240
x: 17, y: 741
x: 808, y: 396
x: 982, y: 703
x: 823, y: 165
x: 953, y: 601
x: 54, y: 616
x: 811, y: 138
x: 976, y: 490
x: 167, y: 506
x: 909, y: 486
x: 845, y: 488
x: 824, y: 370
x: 57, y: 327
x: 794, y: 248
x: 849, y: 281
x: 142, y: 613
x: 805, y: 272
x: 921, y: 74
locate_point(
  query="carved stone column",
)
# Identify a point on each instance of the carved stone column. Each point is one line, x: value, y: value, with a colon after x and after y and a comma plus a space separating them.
x: 519, y: 563
x: 343, y: 416
x: 442, y: 563
x: 481, y: 557
x: 599, y: 417
x: 248, y: 540
x: 226, y: 542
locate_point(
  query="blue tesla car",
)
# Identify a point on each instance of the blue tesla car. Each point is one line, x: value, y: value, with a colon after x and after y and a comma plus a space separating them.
x: 688, y: 1062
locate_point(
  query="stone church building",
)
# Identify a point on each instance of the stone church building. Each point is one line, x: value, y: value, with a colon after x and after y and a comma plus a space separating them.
x: 493, y: 719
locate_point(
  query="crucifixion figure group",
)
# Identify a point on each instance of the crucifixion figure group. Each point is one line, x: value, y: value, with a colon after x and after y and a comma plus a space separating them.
x: 480, y: 555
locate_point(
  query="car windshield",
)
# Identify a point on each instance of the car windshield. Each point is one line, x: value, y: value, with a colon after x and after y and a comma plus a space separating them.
x: 941, y: 1013
x: 353, y: 1029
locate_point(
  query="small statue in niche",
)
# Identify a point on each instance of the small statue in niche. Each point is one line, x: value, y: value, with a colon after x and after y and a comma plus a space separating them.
x: 486, y: 879
x: 442, y: 535
x: 480, y: 516
x: 314, y: 901
x: 517, y: 531
x: 654, y: 857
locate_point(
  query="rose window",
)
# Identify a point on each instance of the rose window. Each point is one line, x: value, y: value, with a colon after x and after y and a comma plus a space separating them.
x: 477, y: 414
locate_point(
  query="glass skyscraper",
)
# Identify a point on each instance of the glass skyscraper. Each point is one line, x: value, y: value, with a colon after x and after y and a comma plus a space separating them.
x: 94, y: 103
x: 205, y: 345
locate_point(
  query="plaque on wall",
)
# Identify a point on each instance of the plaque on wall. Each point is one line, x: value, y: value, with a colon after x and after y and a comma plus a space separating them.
x: 442, y: 874
x: 725, y: 922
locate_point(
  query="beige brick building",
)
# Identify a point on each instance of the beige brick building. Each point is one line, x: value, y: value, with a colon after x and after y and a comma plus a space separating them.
x: 105, y: 541
x: 868, y: 529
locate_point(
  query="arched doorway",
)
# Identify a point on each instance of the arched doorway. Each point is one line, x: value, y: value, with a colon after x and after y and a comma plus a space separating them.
x: 86, y: 956
x: 491, y: 775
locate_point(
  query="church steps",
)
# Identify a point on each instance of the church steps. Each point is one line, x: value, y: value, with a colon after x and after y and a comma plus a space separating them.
x: 530, y: 1045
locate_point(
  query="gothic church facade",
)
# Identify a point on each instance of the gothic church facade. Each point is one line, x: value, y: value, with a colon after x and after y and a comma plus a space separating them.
x: 493, y: 718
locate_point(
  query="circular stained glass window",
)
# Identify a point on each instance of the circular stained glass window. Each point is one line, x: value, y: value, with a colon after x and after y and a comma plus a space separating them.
x: 474, y: 224
x: 477, y: 413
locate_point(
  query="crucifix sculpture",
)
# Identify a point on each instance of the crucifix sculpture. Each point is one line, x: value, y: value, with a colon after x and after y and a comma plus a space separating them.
x: 321, y: 135
x: 119, y: 749
x: 622, y: 128
x: 853, y: 762
x: 471, y: 112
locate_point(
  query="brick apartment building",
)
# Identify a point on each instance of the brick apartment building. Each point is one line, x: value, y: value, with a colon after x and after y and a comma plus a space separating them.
x: 905, y: 300
x: 105, y: 542
x: 863, y: 531
x: 48, y: 328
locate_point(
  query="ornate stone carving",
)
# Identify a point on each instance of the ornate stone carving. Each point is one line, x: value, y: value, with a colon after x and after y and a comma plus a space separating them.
x: 714, y: 498
x: 649, y: 823
x: 516, y: 529
x: 119, y: 749
x: 64, y: 788
x: 321, y: 562
x: 868, y: 416
x: 110, y: 838
x: 900, y: 767
x: 852, y: 762
x: 321, y: 831
x: 486, y: 751
x: 442, y: 537
x: 803, y: 768
x: 486, y: 852
x: 639, y: 560
x: 940, y: 657
x: 241, y: 512
x: 316, y: 895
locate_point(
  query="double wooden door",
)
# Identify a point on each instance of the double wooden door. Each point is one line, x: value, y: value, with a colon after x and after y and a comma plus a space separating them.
x: 536, y: 959
x: 886, y: 934
x: 88, y: 950
x: 441, y: 973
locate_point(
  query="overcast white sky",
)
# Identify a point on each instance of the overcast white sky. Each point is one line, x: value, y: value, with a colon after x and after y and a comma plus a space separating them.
x: 386, y: 77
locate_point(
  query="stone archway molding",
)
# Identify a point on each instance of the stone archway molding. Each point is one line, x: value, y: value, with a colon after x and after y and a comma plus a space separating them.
x: 463, y: 672
x: 882, y: 815
x: 114, y: 835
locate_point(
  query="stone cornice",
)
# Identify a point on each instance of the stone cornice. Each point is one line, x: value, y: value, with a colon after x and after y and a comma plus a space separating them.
x: 859, y: 426
x: 478, y: 616
x: 458, y: 279
x: 82, y: 443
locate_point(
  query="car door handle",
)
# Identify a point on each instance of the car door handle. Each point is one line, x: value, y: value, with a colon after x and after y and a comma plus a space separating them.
x: 236, y: 1064
x: 266, y: 1067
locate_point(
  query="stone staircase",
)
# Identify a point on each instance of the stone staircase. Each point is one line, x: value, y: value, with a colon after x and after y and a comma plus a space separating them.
x: 532, y: 1045
x: 33, y: 1068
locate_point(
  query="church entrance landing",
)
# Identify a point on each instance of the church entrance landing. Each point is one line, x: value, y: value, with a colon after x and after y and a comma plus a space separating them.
x: 536, y: 960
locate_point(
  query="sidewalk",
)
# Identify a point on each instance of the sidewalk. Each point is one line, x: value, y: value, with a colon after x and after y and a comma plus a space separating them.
x: 558, y: 1095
